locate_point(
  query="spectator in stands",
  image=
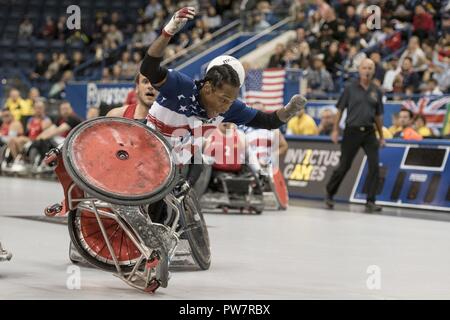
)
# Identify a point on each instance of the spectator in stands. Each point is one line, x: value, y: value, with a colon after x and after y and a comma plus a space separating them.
x: 26, y: 29
x: 420, y: 124
x: 18, y: 106
x: 183, y: 42
x: 106, y: 75
x: 315, y: 23
x: 66, y: 121
x: 352, y: 37
x: 432, y: 88
x: 35, y: 125
x: 395, y: 127
x: 152, y: 8
x: 410, y: 78
x: 423, y: 23
x: 158, y: 22
x: 416, y: 54
x: 379, y: 69
x: 393, y: 40
x: 56, y: 133
x: 57, y: 91
x: 319, y: 79
x: 364, y: 36
x: 304, y: 55
x: 259, y: 22
x: 53, y: 68
x: 333, y: 59
x: 440, y: 71
x: 49, y: 29
x: 276, y: 59
x: 195, y: 37
x: 289, y: 59
x: 128, y: 66
x: 117, y: 21
x: 300, y: 21
x: 138, y: 37
x: 352, y: 60
x: 327, y: 119
x: 77, y: 60
x: 61, y: 30
x: 350, y: 18
x: 9, y: 128
x: 33, y: 97
x: 302, y: 124
x: 407, y: 132
x: 116, y: 73
x: 78, y: 38
x: 40, y: 66
x: 92, y: 112
x: 390, y: 75
x: 149, y: 35
x: 169, y: 6
x: 379, y: 35
x: 212, y: 20
x: 114, y: 35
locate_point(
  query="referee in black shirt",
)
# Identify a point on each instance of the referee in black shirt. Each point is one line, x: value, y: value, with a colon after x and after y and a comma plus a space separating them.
x: 363, y: 101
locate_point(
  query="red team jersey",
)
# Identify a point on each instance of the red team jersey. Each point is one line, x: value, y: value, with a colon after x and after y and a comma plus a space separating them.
x: 4, y: 129
x: 34, y: 127
x: 129, y: 111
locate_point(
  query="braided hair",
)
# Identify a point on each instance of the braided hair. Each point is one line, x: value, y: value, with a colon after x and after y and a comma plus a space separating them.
x: 218, y: 75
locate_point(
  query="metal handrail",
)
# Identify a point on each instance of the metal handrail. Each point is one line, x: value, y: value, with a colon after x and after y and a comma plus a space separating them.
x: 259, y: 35
x: 252, y: 39
x: 202, y: 42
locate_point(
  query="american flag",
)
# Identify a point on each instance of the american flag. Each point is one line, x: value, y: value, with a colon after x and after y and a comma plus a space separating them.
x: 265, y: 86
x: 433, y: 108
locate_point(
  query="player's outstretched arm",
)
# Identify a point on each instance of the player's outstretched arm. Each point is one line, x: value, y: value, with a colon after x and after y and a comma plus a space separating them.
x: 151, y: 65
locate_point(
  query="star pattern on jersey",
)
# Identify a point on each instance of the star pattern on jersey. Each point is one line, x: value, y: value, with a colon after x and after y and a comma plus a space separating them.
x: 183, y: 108
x: 193, y: 98
x: 181, y: 97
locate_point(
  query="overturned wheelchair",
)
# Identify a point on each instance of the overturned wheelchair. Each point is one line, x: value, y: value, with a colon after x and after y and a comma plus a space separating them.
x: 115, y: 174
x: 238, y: 179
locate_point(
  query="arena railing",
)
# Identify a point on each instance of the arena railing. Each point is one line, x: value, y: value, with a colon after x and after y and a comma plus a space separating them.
x: 215, y: 35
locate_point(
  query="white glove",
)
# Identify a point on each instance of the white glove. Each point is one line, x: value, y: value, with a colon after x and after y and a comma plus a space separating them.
x: 178, y: 20
x: 295, y: 105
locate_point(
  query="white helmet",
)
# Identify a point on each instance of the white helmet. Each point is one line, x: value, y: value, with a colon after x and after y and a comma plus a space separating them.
x: 233, y: 62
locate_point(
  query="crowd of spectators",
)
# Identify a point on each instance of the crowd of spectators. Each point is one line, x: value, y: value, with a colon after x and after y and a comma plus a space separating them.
x: 105, y: 39
x: 411, y: 46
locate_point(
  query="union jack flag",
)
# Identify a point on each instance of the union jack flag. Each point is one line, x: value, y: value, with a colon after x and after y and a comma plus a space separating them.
x: 433, y: 108
x: 265, y: 86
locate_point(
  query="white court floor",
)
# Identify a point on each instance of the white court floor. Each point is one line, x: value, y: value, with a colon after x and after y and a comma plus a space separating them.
x: 303, y: 253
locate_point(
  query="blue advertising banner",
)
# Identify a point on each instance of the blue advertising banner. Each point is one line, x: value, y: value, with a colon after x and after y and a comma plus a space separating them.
x: 83, y: 95
x: 414, y: 175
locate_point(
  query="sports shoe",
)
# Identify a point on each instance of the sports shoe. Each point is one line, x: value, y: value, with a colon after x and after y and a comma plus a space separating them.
x: 372, y: 207
x: 329, y: 202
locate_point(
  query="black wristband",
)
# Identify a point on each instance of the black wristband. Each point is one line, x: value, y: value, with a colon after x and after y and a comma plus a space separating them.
x: 152, y: 70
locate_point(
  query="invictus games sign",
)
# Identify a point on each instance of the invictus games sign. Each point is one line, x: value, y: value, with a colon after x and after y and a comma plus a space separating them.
x: 308, y: 164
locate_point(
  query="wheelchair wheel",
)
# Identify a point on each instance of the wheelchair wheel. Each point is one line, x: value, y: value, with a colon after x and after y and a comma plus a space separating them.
x: 119, y: 161
x: 88, y: 239
x: 196, y: 232
x: 203, y: 181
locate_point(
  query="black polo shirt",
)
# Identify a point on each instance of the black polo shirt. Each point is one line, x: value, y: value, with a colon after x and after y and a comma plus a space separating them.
x: 362, y: 105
